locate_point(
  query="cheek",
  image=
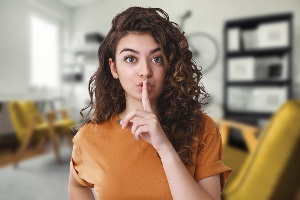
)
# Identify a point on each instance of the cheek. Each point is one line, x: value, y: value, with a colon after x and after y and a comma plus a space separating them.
x: 161, y: 79
x: 125, y: 78
x: 161, y: 74
x: 125, y: 75
x: 123, y: 70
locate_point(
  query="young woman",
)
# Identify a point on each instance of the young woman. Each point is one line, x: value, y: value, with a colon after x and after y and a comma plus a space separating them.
x: 148, y: 138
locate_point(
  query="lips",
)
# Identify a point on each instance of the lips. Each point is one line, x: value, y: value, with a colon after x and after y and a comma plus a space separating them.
x: 149, y: 86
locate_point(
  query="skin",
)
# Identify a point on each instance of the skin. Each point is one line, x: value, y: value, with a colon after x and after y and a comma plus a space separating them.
x: 138, y: 57
x: 138, y: 65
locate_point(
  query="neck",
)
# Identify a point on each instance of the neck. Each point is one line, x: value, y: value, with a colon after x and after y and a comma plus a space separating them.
x: 132, y: 105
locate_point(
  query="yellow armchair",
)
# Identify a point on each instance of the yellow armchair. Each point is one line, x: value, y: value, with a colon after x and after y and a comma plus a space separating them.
x: 270, y: 168
x: 30, y: 126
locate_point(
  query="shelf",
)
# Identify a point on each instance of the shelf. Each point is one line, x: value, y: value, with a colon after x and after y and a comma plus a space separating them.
x: 259, y: 83
x: 243, y: 63
x: 259, y: 52
x: 250, y: 21
x: 246, y: 114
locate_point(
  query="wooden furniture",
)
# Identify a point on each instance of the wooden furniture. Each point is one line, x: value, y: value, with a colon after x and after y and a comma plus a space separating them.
x: 30, y: 127
x: 269, y: 169
x: 249, y: 132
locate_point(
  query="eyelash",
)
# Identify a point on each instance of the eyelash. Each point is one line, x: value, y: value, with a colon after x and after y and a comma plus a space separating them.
x: 133, y: 57
x: 129, y: 57
x: 160, y: 57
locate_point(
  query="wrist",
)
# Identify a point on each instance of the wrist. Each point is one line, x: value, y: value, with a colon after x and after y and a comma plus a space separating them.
x: 166, y: 151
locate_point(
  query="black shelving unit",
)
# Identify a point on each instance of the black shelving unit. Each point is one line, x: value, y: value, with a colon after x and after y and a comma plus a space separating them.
x: 284, y: 52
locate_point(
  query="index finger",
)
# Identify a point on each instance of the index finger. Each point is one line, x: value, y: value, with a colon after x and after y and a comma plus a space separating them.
x: 145, y: 97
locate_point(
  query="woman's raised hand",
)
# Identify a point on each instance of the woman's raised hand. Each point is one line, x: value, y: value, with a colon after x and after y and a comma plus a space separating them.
x: 145, y: 123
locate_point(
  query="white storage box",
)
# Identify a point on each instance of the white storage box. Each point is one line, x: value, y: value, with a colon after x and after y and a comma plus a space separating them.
x: 268, y: 99
x: 241, y: 69
x: 273, y: 35
x: 240, y: 99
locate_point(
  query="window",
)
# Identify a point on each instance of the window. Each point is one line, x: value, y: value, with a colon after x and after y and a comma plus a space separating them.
x: 44, y: 41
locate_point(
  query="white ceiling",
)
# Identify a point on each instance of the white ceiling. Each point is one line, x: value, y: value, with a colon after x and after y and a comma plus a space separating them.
x: 76, y: 3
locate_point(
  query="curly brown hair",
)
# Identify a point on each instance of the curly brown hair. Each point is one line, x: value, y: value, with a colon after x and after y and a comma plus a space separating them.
x: 179, y: 105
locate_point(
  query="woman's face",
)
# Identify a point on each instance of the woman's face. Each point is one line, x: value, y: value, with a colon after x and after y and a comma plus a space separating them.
x: 138, y: 56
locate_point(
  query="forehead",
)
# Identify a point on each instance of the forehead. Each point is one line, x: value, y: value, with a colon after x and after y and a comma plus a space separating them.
x: 137, y: 41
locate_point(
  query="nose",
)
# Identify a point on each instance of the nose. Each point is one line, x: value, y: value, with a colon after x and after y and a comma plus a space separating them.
x: 145, y: 70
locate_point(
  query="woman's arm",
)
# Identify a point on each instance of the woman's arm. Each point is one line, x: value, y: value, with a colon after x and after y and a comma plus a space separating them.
x: 78, y: 191
x: 182, y: 184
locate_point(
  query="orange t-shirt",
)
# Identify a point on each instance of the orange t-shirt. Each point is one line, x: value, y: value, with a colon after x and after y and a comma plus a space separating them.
x: 109, y: 159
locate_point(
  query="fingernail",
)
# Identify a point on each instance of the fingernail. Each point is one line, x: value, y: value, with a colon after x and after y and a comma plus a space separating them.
x: 147, y: 81
x: 136, y: 138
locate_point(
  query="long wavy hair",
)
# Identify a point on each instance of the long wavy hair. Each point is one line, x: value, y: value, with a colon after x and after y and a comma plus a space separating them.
x: 179, y: 105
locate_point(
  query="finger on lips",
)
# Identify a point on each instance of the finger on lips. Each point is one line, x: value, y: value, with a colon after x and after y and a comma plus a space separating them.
x: 144, y: 94
x: 138, y: 126
x: 145, y: 97
x: 145, y: 102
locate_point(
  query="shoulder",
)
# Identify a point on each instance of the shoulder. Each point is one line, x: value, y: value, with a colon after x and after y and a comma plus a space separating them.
x: 209, y: 127
x: 88, y: 132
x: 210, y: 138
x: 208, y: 124
x: 83, y: 131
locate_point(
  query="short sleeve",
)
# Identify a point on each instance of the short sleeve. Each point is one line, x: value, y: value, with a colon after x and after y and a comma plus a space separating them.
x: 77, y: 165
x: 209, y: 161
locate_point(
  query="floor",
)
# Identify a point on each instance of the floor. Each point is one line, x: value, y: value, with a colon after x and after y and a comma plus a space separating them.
x: 8, y: 150
x: 7, y: 156
x: 37, y: 177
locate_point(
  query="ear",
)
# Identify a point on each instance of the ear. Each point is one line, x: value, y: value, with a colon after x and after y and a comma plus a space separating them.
x: 113, y: 68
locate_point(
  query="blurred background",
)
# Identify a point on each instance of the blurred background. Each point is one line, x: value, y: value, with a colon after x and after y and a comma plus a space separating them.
x: 249, y: 54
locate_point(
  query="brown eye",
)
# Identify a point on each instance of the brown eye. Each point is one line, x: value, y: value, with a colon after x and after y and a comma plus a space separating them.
x: 158, y: 59
x: 130, y: 59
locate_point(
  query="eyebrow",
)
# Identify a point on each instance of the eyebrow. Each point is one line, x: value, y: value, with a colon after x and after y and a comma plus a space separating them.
x: 137, y: 52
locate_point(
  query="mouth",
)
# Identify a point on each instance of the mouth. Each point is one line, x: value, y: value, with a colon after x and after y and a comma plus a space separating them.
x: 149, y: 86
x: 141, y: 84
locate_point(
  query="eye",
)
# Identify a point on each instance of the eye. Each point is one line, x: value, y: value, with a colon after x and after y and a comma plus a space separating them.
x: 130, y: 59
x: 158, y: 59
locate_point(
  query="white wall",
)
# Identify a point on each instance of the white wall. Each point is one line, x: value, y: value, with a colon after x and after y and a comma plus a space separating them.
x: 15, y: 47
x: 14, y: 57
x: 207, y: 15
x: 14, y: 41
